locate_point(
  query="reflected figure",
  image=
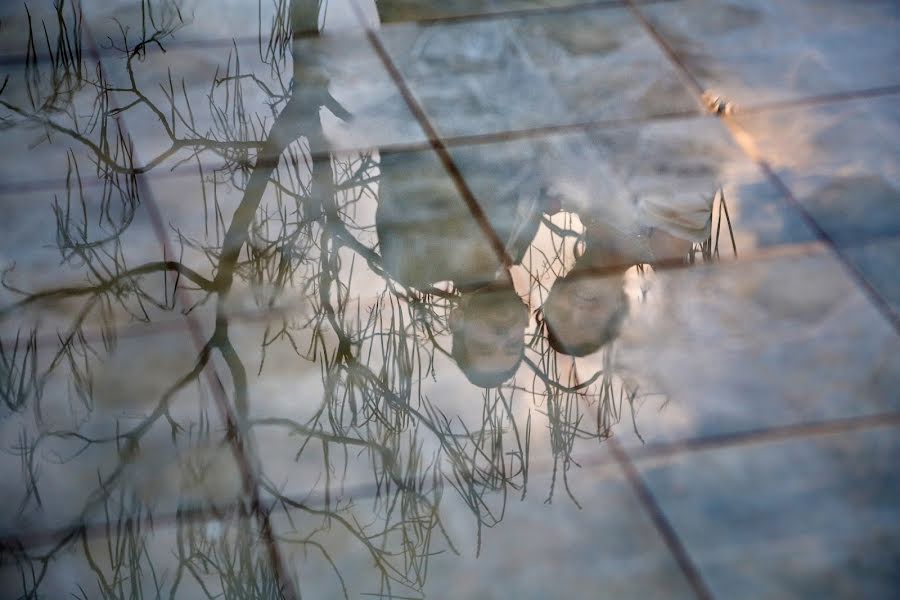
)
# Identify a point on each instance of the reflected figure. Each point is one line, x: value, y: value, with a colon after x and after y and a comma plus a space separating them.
x: 488, y: 342
x: 584, y: 311
x: 293, y: 224
x: 586, y: 308
x: 427, y: 235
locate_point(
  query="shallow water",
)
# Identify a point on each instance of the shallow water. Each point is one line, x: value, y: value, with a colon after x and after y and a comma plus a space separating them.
x: 482, y: 299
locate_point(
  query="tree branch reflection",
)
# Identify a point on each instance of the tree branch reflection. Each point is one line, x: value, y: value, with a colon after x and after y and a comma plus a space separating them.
x: 297, y: 236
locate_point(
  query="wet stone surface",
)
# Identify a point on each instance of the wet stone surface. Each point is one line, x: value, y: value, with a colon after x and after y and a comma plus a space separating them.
x: 471, y: 299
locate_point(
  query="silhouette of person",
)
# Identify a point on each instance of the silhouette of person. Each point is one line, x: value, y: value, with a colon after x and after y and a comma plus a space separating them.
x: 488, y: 327
x: 586, y: 308
x: 427, y: 235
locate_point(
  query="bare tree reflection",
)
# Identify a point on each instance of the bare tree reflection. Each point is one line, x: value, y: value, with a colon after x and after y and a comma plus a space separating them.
x: 295, y: 234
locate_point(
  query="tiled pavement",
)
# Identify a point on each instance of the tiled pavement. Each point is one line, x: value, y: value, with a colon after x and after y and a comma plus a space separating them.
x: 278, y: 322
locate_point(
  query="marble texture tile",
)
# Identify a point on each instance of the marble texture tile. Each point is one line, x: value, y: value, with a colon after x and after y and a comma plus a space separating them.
x: 186, y: 557
x: 207, y: 22
x: 49, y: 125
x: 15, y: 31
x: 797, y: 519
x: 609, y: 544
x: 413, y: 228
x: 90, y: 238
x: 329, y: 93
x: 600, y: 174
x: 839, y: 160
x: 878, y: 263
x: 693, y: 155
x: 755, y: 344
x: 404, y: 403
x: 536, y: 550
x: 95, y: 411
x: 760, y: 51
x: 517, y: 73
x: 326, y: 431
x: 410, y: 227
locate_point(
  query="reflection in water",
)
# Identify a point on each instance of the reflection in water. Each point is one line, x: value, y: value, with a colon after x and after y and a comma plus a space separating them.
x: 297, y: 236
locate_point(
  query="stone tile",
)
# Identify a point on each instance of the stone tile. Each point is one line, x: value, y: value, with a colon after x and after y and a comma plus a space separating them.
x: 406, y: 226
x: 50, y: 124
x: 286, y: 408
x: 797, y: 519
x: 417, y: 206
x: 755, y: 344
x: 536, y: 550
x: 326, y: 428
x: 188, y: 557
x: 517, y: 73
x: 385, y: 369
x: 79, y: 238
x: 403, y: 217
x: 604, y: 66
x: 15, y: 31
x: 608, y: 544
x: 51, y: 110
x: 427, y: 234
x: 95, y: 410
x: 394, y: 211
x: 840, y: 161
x: 421, y: 346
x: 342, y: 98
x: 760, y: 51
x: 216, y: 121
x: 34, y: 158
x: 206, y: 22
x: 878, y: 262
x: 610, y: 173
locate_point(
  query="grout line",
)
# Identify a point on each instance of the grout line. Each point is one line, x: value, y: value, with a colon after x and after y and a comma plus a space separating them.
x: 765, y: 435
x: 566, y: 128
x: 249, y: 479
x: 662, y: 524
x: 667, y: 49
x: 528, y: 133
x: 200, y: 515
x: 810, y: 101
x: 741, y: 138
x: 36, y: 539
x: 881, y: 304
x: 663, y: 527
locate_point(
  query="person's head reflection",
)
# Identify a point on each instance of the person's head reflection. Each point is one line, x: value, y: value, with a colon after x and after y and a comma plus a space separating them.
x: 585, y: 309
x: 584, y: 313
x: 488, y: 328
